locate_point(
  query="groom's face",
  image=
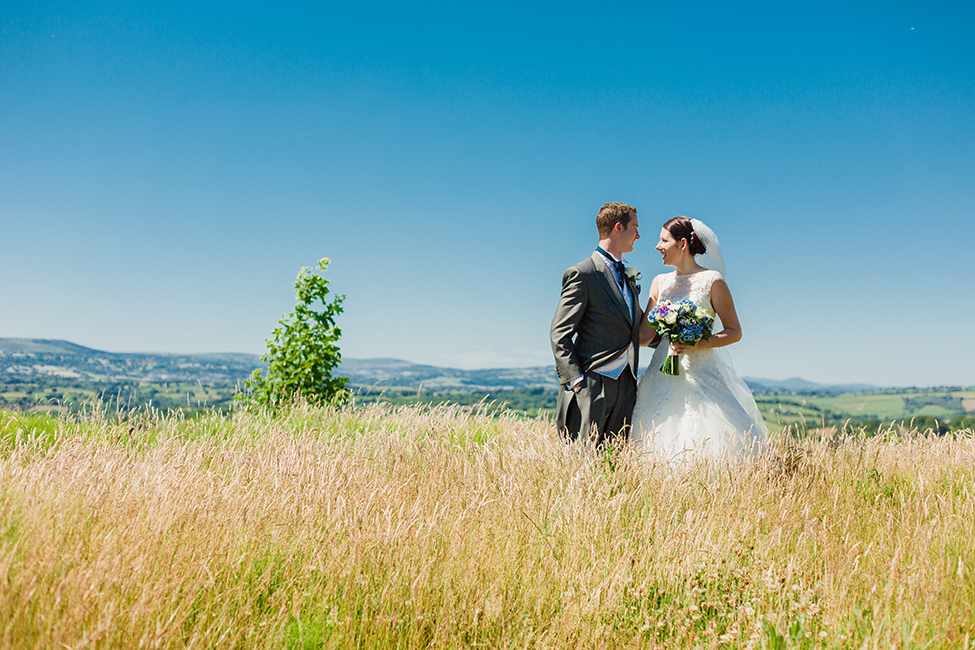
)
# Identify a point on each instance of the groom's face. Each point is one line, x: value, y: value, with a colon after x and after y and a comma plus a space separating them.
x: 630, y: 233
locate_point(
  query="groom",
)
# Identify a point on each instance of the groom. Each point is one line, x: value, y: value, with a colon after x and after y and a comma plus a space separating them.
x: 596, y: 335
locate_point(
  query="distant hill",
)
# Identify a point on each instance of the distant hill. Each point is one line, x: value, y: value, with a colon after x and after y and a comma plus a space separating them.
x: 799, y: 385
x: 34, y: 358
x: 396, y: 373
x: 29, y: 358
x: 26, y: 358
x: 399, y: 373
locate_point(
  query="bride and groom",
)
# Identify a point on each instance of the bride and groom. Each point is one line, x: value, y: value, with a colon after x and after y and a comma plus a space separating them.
x: 599, y: 328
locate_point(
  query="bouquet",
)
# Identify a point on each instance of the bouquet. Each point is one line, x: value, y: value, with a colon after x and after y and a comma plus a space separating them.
x: 681, y: 321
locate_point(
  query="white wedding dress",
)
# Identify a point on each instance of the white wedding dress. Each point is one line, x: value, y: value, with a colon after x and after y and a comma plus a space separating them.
x: 706, y: 410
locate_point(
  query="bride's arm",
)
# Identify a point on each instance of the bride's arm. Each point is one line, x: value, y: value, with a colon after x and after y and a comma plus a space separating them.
x: 724, y: 307
x: 647, y: 333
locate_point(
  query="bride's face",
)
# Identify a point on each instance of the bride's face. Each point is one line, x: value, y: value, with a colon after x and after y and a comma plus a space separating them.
x: 669, y: 248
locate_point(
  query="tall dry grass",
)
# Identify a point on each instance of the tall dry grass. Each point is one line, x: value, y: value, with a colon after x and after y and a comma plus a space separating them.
x: 413, y: 528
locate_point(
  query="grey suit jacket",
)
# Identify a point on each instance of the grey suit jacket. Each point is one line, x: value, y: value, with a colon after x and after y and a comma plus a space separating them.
x: 592, y: 325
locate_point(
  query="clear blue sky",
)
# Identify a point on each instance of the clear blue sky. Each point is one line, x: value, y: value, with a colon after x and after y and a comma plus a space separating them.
x: 166, y: 169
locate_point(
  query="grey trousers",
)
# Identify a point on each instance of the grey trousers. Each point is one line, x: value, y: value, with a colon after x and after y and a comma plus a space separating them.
x: 600, y: 412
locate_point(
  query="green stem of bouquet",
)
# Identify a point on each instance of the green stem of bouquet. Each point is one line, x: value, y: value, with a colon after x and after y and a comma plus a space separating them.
x: 671, y: 365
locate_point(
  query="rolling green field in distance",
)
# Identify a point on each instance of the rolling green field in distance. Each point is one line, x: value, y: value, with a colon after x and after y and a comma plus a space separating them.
x: 61, y: 377
x: 57, y: 395
x: 878, y: 406
x: 925, y: 406
x: 929, y: 407
x: 951, y: 407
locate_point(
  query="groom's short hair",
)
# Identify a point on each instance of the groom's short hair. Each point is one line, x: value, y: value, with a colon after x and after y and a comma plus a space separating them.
x: 612, y: 214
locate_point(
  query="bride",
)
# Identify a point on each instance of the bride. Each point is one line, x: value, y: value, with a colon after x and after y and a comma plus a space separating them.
x: 706, y: 409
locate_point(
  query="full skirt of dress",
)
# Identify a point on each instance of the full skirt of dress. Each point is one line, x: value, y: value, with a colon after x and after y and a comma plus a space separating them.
x: 705, y: 411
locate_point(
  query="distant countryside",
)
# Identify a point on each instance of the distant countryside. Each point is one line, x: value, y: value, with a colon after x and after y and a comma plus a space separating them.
x: 44, y: 376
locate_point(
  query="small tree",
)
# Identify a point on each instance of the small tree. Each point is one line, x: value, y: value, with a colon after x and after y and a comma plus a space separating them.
x: 302, y: 352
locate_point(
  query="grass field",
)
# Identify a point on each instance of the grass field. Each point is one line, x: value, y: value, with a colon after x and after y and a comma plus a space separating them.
x: 375, y: 527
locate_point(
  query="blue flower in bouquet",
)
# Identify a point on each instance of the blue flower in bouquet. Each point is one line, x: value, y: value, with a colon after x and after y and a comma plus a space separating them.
x: 692, y: 332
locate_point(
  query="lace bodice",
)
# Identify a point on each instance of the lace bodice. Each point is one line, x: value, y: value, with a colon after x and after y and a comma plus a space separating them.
x: 695, y: 287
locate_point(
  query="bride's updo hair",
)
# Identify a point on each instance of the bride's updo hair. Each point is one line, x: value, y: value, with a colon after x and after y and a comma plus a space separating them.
x: 681, y: 228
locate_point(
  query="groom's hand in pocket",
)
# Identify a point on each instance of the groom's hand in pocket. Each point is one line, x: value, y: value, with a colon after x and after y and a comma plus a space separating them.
x: 576, y: 384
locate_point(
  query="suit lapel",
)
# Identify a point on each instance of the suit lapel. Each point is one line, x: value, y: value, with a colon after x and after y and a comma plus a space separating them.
x: 609, y: 284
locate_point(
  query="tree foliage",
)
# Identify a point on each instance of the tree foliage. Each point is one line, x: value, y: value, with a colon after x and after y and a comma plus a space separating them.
x: 303, y: 351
